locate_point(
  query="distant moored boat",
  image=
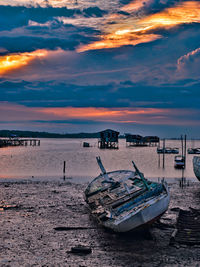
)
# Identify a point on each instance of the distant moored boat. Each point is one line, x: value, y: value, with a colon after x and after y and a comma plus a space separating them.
x: 193, y: 150
x: 179, y: 162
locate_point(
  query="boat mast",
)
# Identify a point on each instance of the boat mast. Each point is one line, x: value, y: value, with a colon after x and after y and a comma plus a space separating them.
x: 103, y: 170
x: 141, y: 176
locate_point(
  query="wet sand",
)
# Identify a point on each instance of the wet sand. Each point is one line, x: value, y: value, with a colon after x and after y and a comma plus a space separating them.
x: 28, y: 237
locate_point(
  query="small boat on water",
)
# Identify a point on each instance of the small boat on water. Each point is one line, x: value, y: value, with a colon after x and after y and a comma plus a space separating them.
x: 179, y: 162
x: 175, y: 150
x: 168, y: 150
x: 196, y: 166
x: 193, y: 150
x: 124, y: 200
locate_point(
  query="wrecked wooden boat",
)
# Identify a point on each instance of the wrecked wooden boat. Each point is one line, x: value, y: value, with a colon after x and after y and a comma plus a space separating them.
x: 124, y: 200
x: 196, y: 166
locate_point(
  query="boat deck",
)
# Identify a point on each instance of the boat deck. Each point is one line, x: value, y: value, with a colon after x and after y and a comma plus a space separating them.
x: 113, y: 199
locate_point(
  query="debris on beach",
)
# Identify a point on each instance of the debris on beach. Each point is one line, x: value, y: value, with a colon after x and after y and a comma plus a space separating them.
x: 69, y: 228
x: 124, y: 200
x: 81, y: 250
x: 10, y: 207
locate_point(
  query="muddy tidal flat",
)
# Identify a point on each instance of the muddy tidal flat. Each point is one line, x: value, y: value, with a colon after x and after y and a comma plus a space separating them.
x: 40, y: 222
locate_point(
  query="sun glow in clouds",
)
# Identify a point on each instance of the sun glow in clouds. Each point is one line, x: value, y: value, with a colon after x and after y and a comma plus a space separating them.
x: 120, y: 38
x: 186, y: 12
x: 135, y: 5
x: 131, y: 31
x: 18, y: 60
x: 97, y: 112
x: 152, y: 116
x: 114, y: 115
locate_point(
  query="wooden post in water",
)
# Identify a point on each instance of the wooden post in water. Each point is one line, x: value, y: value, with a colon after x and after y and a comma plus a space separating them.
x: 163, y: 153
x: 181, y: 145
x: 159, y: 155
x: 185, y: 150
x: 64, y: 166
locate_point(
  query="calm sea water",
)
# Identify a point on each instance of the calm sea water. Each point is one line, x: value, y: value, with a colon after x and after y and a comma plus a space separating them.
x: 46, y: 161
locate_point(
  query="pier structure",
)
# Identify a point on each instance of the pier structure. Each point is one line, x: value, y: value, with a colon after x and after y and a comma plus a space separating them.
x: 108, y: 139
x: 5, y: 142
x: 138, y: 140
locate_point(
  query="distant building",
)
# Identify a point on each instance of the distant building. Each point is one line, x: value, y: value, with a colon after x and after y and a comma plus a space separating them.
x: 138, y: 140
x: 152, y: 139
x: 108, y: 139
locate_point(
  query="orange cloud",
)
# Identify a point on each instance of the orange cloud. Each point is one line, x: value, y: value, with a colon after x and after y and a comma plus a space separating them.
x: 122, y: 115
x: 120, y: 38
x: 186, y: 12
x: 115, y: 115
x: 134, y: 6
x: 19, y: 113
x: 92, y: 112
x: 133, y: 31
x: 18, y: 60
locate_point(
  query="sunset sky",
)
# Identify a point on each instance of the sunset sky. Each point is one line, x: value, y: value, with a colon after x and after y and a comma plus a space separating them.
x: 72, y: 66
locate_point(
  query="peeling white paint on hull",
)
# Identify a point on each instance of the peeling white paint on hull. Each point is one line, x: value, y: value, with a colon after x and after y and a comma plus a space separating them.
x: 143, y: 216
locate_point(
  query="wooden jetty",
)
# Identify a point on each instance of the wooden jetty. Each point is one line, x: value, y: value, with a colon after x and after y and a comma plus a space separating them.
x: 5, y: 142
x: 108, y: 139
x: 138, y: 140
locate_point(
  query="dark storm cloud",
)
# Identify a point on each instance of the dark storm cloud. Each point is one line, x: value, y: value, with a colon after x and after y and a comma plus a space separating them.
x: 13, y: 17
x: 28, y: 44
x: 17, y: 34
x: 125, y: 94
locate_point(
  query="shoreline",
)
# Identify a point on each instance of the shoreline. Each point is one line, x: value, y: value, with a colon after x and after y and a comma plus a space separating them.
x: 28, y: 236
x: 78, y: 179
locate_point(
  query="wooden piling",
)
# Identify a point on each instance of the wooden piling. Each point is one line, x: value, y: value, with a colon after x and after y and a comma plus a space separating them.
x: 185, y: 150
x: 163, y: 153
x: 64, y: 165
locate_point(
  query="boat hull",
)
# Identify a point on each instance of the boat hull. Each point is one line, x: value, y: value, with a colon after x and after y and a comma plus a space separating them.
x: 196, y: 166
x: 148, y: 214
x: 124, y: 200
